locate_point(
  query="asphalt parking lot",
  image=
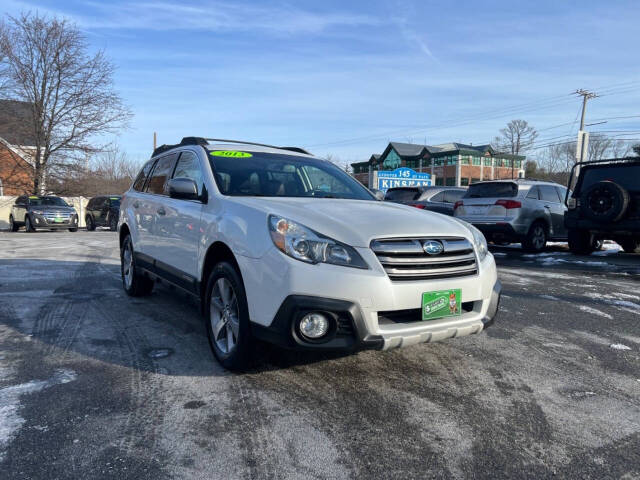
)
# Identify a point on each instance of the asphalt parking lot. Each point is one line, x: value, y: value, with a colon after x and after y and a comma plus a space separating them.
x: 94, y: 384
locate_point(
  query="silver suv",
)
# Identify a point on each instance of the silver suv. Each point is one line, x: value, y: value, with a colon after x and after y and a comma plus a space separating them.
x: 530, y: 212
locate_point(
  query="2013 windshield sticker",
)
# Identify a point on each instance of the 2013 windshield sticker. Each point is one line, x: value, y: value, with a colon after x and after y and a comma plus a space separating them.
x: 230, y: 154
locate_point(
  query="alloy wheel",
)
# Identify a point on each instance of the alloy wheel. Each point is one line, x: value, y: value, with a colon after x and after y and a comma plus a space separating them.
x: 224, y: 315
x: 127, y: 265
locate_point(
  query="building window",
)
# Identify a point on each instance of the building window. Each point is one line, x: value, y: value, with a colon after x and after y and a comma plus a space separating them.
x: 464, y: 160
x: 439, y: 181
x: 437, y: 162
x: 451, y: 181
x: 474, y: 180
x: 464, y: 182
x: 488, y: 162
x: 477, y: 161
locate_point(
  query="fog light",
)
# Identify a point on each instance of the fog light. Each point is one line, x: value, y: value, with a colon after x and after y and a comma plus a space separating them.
x: 37, y: 220
x: 314, y: 325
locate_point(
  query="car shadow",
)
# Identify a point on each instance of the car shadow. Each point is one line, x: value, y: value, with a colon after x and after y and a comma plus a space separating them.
x: 81, y: 307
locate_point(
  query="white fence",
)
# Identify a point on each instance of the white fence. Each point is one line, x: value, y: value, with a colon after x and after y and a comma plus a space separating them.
x: 79, y: 203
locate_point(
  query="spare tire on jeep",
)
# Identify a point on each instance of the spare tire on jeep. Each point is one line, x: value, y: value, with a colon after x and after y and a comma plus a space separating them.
x: 605, y: 201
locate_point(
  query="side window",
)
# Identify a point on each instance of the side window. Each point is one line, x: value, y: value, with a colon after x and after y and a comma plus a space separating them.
x: 138, y: 185
x: 561, y: 192
x: 438, y: 197
x: 452, y: 196
x: 549, y: 194
x: 533, y: 193
x: 161, y: 173
x: 21, y: 200
x: 189, y: 167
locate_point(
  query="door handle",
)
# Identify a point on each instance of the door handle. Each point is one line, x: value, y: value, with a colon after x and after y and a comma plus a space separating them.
x: 161, y: 211
x: 136, y: 204
x: 547, y: 207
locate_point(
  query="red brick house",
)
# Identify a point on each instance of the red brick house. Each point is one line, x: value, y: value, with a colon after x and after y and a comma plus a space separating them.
x: 16, y: 148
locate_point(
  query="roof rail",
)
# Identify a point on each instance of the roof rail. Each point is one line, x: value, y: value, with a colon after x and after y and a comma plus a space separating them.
x: 204, y: 141
x: 291, y: 149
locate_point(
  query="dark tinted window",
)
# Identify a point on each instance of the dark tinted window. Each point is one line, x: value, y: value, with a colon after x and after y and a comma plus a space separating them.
x: 492, y: 190
x: 142, y: 176
x: 533, y: 193
x: 549, y: 194
x: 189, y: 167
x: 624, y: 175
x: 161, y: 173
x: 452, y: 196
x: 21, y: 200
x: 114, y: 202
x: 272, y: 174
x: 402, y: 194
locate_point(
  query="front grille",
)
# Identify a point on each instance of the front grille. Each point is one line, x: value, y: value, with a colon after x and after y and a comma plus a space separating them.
x: 50, y: 217
x: 405, y: 259
x: 411, y: 315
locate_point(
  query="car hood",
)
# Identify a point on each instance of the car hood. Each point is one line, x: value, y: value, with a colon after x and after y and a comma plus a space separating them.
x: 357, y: 222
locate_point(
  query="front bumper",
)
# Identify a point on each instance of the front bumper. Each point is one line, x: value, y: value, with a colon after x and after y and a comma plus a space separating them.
x: 280, y: 290
x: 350, y: 332
x: 40, y: 221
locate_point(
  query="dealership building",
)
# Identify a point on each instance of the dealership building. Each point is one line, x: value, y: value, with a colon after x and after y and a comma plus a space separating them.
x: 453, y: 164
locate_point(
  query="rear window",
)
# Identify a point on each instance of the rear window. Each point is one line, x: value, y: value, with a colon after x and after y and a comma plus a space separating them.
x: 627, y: 176
x: 492, y: 190
x: 402, y: 194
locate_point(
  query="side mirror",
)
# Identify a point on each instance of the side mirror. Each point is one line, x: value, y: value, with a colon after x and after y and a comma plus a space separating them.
x: 183, y: 188
x: 378, y: 194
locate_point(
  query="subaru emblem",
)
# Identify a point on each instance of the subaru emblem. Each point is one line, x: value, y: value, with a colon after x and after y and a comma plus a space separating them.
x: 433, y: 247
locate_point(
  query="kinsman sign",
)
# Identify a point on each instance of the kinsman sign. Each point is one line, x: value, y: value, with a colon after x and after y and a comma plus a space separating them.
x: 402, y: 177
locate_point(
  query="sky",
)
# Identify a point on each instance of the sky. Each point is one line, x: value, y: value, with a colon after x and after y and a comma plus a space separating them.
x: 344, y: 78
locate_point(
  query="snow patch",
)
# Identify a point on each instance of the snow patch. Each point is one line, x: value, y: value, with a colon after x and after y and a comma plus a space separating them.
x: 10, y: 420
x: 619, y: 346
x: 594, y: 311
x: 549, y: 297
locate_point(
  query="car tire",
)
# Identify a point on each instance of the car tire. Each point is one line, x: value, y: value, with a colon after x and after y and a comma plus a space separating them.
x: 536, y: 238
x: 28, y: 226
x: 581, y: 242
x: 134, y: 284
x: 630, y: 245
x: 604, y: 202
x: 91, y: 225
x: 227, y: 321
x: 12, y: 225
x: 113, y: 224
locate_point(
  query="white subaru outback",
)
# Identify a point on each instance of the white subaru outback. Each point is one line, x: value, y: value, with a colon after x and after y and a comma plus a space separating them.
x: 285, y: 247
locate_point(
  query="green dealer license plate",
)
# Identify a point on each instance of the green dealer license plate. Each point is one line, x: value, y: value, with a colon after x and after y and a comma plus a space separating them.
x: 58, y: 220
x: 444, y: 303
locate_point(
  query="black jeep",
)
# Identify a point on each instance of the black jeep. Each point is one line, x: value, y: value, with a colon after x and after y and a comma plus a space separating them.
x: 604, y: 205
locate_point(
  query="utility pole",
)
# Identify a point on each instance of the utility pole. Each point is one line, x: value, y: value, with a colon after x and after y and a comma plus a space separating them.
x: 155, y: 138
x: 582, y: 138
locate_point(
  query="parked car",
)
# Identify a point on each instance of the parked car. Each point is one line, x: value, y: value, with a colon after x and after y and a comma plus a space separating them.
x: 103, y: 211
x: 285, y: 247
x: 524, y: 211
x: 435, y: 199
x: 48, y: 212
x: 605, y: 205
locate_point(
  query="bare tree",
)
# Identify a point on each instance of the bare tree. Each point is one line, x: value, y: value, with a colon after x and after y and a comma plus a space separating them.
x: 108, y: 172
x: 516, y: 138
x: 45, y: 62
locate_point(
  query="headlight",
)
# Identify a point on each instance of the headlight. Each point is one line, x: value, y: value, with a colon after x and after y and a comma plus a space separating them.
x: 479, y: 242
x: 37, y: 212
x: 305, y: 245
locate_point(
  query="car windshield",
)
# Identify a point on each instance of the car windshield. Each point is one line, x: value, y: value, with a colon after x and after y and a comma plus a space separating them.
x: 402, y: 194
x: 492, y: 190
x: 262, y: 174
x: 48, y: 201
x: 115, y: 201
